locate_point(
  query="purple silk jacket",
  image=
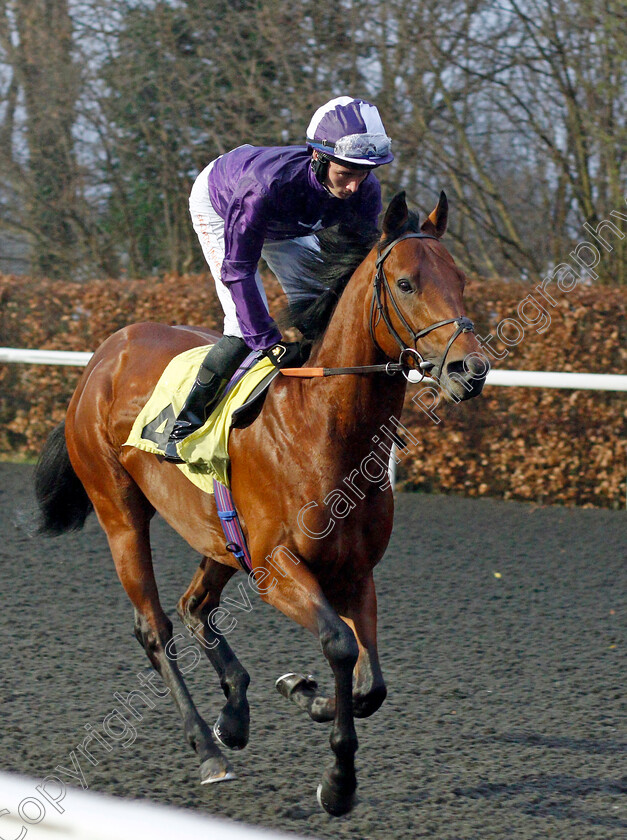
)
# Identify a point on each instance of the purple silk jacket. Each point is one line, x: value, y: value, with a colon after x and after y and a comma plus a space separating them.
x: 271, y: 193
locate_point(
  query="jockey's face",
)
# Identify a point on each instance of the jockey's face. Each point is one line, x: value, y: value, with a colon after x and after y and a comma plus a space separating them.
x: 342, y: 181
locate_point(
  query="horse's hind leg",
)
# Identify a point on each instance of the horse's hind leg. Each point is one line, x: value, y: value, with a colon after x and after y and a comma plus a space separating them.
x: 195, y: 608
x: 125, y: 516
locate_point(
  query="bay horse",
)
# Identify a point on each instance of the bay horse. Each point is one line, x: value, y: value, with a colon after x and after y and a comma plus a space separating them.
x: 309, y: 439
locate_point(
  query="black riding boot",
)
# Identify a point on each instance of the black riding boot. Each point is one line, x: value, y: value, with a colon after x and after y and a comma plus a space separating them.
x: 219, y: 364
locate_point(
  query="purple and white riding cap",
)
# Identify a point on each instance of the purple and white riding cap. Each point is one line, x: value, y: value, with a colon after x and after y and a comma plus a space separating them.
x: 350, y: 130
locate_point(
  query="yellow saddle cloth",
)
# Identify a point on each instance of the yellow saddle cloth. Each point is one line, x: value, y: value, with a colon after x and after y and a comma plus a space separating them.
x: 206, y: 450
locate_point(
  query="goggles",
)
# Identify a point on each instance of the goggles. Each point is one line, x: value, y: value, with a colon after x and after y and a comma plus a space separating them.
x: 369, y: 146
x: 356, y: 147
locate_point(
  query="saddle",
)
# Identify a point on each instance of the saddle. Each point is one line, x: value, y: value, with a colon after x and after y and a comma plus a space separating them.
x: 206, y: 450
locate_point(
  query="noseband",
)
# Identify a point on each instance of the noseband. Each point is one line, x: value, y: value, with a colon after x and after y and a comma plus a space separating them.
x: 380, y: 311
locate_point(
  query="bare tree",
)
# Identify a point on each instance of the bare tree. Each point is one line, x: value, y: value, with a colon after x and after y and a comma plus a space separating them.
x: 547, y: 82
x: 516, y: 109
x: 36, y: 41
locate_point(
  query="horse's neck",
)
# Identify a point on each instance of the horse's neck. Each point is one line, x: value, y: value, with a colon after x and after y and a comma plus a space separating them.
x: 361, y: 401
x: 347, y: 336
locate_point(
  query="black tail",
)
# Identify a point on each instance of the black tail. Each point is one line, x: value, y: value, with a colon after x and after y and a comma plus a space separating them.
x: 63, y: 503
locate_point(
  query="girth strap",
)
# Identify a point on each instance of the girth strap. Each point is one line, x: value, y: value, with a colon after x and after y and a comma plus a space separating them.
x: 235, y: 539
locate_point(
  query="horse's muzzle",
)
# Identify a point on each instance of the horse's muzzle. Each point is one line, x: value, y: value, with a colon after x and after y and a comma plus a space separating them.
x: 463, y: 380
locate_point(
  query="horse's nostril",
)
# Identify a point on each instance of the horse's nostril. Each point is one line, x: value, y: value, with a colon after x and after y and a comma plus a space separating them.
x: 456, y: 368
x: 468, y: 369
x: 477, y: 367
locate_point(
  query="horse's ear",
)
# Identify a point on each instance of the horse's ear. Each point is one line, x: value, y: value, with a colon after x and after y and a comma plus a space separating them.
x: 396, y: 215
x: 435, y: 223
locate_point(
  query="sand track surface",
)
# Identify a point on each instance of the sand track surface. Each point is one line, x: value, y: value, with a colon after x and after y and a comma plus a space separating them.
x: 501, y: 638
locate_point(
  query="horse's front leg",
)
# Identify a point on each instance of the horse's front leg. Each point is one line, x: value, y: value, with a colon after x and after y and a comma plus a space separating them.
x: 336, y: 792
x: 300, y: 597
x: 369, y: 689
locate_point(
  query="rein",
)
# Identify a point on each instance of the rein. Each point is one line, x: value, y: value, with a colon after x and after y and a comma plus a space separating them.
x: 379, y: 310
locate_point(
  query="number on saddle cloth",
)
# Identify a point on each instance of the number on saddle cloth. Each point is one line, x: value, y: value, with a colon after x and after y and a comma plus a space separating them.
x: 153, y: 431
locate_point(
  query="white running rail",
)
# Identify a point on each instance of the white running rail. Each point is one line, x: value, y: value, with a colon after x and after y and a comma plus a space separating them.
x: 44, y: 357
x: 513, y: 378
x: 36, y: 809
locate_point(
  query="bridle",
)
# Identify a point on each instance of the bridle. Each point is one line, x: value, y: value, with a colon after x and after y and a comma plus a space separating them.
x: 379, y: 310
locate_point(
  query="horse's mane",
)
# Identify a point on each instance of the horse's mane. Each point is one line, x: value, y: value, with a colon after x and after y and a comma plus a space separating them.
x: 342, y: 249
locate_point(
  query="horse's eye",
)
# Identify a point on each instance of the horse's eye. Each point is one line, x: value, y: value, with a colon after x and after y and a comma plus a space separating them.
x: 404, y: 285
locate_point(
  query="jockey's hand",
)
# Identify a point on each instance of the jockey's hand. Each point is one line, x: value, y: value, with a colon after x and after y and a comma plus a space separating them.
x: 285, y: 354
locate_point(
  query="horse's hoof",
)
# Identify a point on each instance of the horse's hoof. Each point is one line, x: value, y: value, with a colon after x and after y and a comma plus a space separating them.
x: 215, y: 769
x: 229, y: 739
x: 333, y: 803
x: 288, y: 683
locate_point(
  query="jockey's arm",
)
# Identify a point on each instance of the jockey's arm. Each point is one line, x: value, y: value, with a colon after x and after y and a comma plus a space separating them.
x: 244, y: 234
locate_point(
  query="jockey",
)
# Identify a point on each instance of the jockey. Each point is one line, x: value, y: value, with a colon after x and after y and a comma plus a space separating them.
x: 268, y: 202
